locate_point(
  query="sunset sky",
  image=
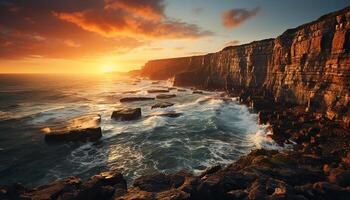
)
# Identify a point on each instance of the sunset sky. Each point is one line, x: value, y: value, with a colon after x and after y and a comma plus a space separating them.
x: 95, y: 36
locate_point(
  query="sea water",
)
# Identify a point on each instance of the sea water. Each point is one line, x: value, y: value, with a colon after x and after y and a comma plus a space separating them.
x: 211, y: 130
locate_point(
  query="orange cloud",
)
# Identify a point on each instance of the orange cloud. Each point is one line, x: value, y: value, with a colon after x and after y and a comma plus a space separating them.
x: 235, y: 17
x: 81, y: 28
x: 151, y: 9
x: 133, y: 19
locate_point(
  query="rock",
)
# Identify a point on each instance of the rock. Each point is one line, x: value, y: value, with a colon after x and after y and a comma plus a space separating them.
x: 162, y: 105
x: 160, y: 181
x: 131, y: 92
x: 126, y: 114
x: 157, y: 91
x: 155, y: 82
x: 340, y: 177
x: 100, y: 186
x: 197, y: 92
x: 168, y: 114
x: 326, y: 190
x: 172, y: 88
x: 83, y: 128
x: 181, y: 90
x: 299, y: 67
x: 210, y: 170
x: 165, y: 96
x: 55, y: 190
x: 132, y: 99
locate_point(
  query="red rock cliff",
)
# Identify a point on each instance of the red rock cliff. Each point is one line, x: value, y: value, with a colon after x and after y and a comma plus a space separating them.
x: 308, y: 65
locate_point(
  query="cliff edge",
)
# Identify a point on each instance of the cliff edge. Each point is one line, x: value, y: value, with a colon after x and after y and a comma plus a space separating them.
x: 308, y: 65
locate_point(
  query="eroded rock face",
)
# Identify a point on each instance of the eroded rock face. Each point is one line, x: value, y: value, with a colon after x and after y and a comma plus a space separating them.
x: 83, y: 128
x: 308, y: 65
x: 126, y: 114
x: 102, y: 186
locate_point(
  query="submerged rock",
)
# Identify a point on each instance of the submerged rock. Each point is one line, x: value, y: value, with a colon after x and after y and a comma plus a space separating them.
x: 181, y: 90
x: 131, y: 99
x: 165, y: 96
x: 83, y: 128
x: 162, y: 105
x: 157, y: 91
x: 126, y: 114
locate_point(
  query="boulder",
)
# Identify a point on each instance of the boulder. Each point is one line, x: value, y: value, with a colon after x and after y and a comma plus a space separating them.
x: 126, y: 114
x: 132, y: 99
x: 162, y: 105
x: 165, y: 96
x: 83, y: 128
x: 340, y: 177
x: 101, y: 186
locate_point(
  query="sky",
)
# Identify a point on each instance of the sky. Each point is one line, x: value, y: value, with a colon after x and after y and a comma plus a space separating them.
x: 98, y: 36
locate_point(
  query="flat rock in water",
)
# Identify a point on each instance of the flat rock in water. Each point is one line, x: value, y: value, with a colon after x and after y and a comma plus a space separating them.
x: 181, y: 90
x: 162, y: 105
x: 83, y: 128
x: 126, y: 114
x: 155, y: 82
x: 131, y: 99
x: 168, y: 114
x: 165, y: 96
x: 131, y: 92
x: 197, y: 92
x: 157, y: 91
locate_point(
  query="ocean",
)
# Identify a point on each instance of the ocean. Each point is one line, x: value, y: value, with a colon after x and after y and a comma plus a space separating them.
x: 210, y: 131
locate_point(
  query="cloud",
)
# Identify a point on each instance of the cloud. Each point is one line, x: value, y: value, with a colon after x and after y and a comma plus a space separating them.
x: 138, y: 18
x: 235, y: 17
x: 232, y: 43
x: 80, y: 28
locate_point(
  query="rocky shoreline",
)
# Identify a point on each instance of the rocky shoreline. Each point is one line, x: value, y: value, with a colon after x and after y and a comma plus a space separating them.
x: 298, y: 83
x: 318, y: 167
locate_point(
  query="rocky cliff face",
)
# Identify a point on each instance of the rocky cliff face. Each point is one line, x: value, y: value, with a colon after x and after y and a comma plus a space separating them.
x: 308, y: 65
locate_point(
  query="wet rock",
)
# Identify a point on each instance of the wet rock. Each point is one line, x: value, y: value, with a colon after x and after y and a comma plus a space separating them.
x: 155, y: 82
x: 165, y: 96
x: 340, y: 177
x: 210, y: 170
x: 126, y: 114
x: 181, y: 90
x: 157, y: 91
x: 131, y: 92
x: 162, y: 105
x: 100, y: 186
x: 197, y: 92
x: 168, y: 114
x: 83, y: 128
x: 132, y: 99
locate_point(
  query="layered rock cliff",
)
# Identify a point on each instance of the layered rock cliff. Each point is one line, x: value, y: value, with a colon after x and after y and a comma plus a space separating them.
x: 308, y: 65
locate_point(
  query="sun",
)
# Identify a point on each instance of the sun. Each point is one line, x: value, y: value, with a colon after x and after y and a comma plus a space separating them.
x: 107, y: 69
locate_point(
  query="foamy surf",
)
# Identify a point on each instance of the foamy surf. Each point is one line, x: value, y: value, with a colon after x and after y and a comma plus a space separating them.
x: 208, y: 130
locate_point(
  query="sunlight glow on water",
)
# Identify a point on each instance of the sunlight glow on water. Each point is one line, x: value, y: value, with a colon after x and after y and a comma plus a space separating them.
x: 211, y: 130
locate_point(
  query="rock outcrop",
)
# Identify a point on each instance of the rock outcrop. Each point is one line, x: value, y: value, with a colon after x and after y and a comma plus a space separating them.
x: 82, y: 128
x: 308, y: 65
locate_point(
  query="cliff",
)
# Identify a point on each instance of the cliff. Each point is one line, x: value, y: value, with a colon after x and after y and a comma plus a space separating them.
x: 308, y: 65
